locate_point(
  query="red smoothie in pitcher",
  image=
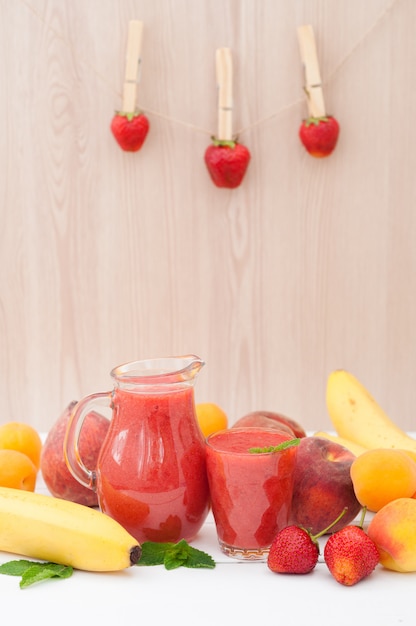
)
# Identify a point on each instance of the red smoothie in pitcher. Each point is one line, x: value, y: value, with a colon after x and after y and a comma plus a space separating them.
x: 251, y: 493
x: 151, y: 474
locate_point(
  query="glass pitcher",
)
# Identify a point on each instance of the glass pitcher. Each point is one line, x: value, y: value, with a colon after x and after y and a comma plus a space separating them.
x: 151, y: 472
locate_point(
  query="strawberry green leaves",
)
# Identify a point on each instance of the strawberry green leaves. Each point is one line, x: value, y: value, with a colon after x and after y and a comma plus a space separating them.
x: 34, y: 572
x: 174, y: 555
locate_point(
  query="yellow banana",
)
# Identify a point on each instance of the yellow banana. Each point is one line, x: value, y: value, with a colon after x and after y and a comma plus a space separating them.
x: 353, y: 447
x: 357, y: 416
x: 52, y: 529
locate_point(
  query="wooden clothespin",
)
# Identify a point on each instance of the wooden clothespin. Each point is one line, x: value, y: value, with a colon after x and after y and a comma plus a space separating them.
x: 224, y: 71
x: 133, y: 60
x: 313, y: 82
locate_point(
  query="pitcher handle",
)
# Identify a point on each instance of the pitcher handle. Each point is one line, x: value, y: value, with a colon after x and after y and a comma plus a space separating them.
x: 79, y: 471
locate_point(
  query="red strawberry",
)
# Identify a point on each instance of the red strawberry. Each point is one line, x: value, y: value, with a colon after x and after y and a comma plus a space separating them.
x: 294, y: 550
x: 350, y: 555
x: 319, y: 135
x: 227, y: 162
x: 130, y: 130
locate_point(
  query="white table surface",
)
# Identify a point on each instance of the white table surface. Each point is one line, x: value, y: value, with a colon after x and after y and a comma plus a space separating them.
x: 233, y: 593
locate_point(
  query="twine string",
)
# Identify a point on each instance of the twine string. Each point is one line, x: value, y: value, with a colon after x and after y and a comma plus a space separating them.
x: 344, y: 60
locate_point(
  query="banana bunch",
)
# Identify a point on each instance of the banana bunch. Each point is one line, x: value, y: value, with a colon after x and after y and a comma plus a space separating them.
x: 360, y: 423
x: 52, y: 529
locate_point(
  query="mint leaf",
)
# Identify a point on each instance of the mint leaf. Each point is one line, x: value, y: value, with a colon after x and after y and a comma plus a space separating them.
x: 282, y: 446
x: 153, y: 553
x: 42, y: 571
x: 177, y: 555
x: 173, y: 555
x: 15, y: 568
x: 199, y: 559
x: 33, y: 571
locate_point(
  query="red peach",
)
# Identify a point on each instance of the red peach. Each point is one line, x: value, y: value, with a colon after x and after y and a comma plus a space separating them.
x: 322, y: 485
x: 393, y: 530
x: 256, y: 418
x: 55, y: 472
x: 260, y: 421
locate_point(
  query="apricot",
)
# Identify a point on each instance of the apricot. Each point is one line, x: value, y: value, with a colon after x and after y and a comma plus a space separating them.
x: 17, y: 470
x: 410, y: 453
x: 210, y: 417
x: 382, y: 475
x: 23, y: 438
x: 393, y: 530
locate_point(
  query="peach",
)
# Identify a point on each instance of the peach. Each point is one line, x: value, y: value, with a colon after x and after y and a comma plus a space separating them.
x: 322, y: 485
x: 17, y: 470
x: 261, y: 421
x: 382, y: 475
x: 265, y: 419
x: 55, y: 472
x: 393, y: 530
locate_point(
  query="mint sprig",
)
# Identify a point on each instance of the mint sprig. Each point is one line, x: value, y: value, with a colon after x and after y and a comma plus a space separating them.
x: 173, y: 555
x: 33, y: 572
x: 281, y: 446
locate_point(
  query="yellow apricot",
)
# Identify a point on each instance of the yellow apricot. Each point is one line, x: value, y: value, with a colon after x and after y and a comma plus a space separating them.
x: 23, y: 438
x: 382, y: 475
x: 410, y: 453
x: 17, y: 470
x: 393, y: 530
x: 210, y: 417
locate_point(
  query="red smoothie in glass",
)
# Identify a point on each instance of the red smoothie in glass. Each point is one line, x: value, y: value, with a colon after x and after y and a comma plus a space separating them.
x: 251, y: 493
x: 151, y: 474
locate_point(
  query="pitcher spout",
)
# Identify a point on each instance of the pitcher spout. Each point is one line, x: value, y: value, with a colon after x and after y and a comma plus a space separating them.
x: 193, y: 367
x: 170, y: 370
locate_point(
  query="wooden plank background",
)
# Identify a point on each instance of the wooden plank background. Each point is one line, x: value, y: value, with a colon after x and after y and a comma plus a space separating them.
x: 107, y: 257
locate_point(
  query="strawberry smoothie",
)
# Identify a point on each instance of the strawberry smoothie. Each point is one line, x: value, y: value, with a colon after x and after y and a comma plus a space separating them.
x: 251, y: 493
x: 152, y: 474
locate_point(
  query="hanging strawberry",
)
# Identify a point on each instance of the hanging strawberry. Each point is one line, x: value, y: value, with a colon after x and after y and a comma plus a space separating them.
x: 319, y: 135
x: 130, y: 126
x: 227, y: 162
x: 226, y: 159
x: 130, y: 130
x: 319, y: 132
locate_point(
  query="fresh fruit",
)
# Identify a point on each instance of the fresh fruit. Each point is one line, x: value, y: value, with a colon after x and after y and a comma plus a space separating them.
x: 23, y: 438
x: 382, y: 475
x: 393, y: 530
x: 17, y: 470
x: 319, y: 135
x: 353, y: 447
x: 227, y: 162
x: 55, y: 472
x: 295, y: 550
x: 256, y: 418
x: 322, y: 485
x: 357, y: 416
x: 210, y: 417
x: 130, y: 130
x: 52, y: 529
x: 351, y: 555
x: 261, y: 421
